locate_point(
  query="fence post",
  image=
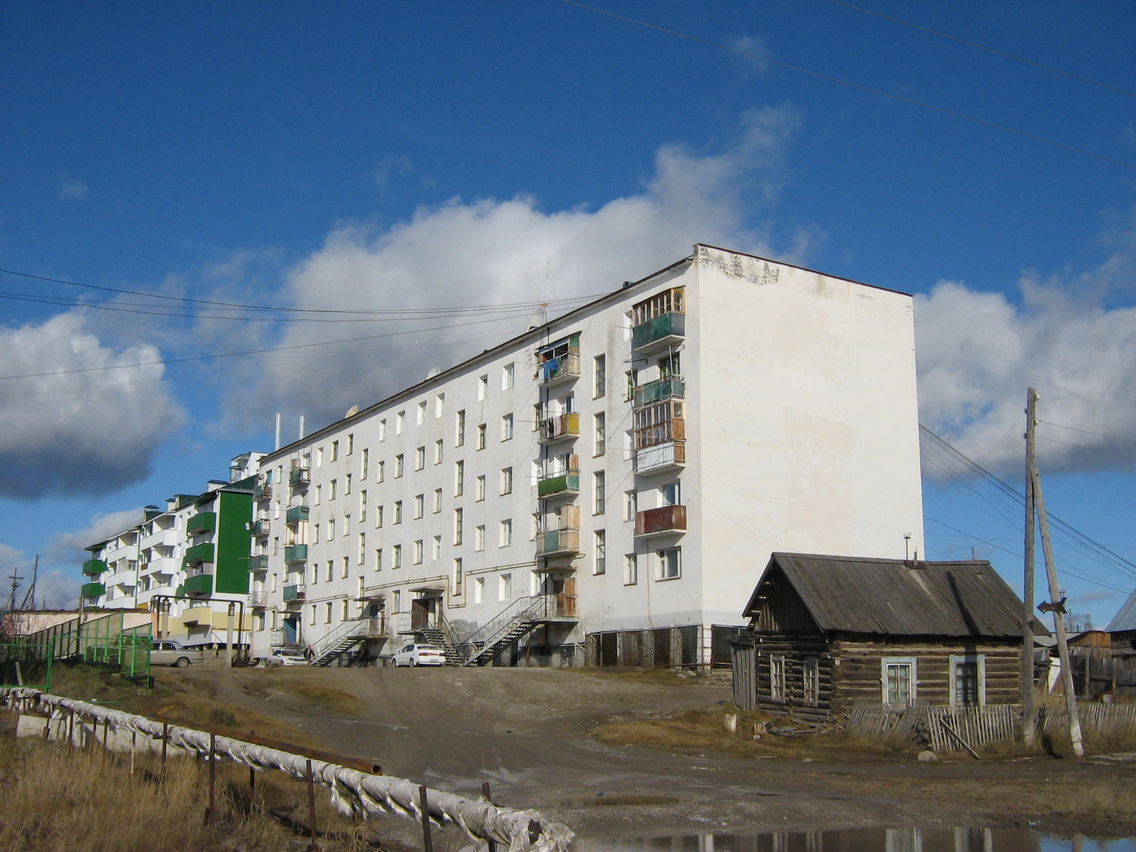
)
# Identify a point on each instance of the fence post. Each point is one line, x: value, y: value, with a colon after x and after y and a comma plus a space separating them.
x: 312, y: 846
x: 212, y: 778
x: 427, y: 842
x: 486, y: 795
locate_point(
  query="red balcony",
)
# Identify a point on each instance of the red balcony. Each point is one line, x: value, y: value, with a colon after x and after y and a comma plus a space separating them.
x: 661, y: 521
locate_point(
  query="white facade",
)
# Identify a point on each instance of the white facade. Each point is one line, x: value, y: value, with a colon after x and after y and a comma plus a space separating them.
x: 639, y: 458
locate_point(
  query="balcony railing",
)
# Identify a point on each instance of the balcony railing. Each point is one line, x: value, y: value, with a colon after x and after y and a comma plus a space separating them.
x: 559, y: 427
x: 660, y: 390
x: 660, y: 457
x: 259, y: 527
x: 296, y: 553
x: 298, y: 592
x: 558, y: 542
x: 564, y: 367
x: 297, y: 514
x: 567, y: 482
x: 659, y: 332
x: 258, y: 600
x: 258, y: 562
x: 199, y: 553
x: 660, y: 521
x: 299, y: 476
x: 202, y: 522
x: 93, y: 590
x: 262, y: 492
x: 94, y: 567
x: 199, y: 586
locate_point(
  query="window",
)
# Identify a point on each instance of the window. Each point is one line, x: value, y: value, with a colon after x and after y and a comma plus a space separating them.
x: 599, y: 563
x: 335, y: 450
x: 458, y: 521
x: 319, y: 458
x: 670, y: 563
x: 362, y: 506
x: 346, y: 568
x: 378, y: 559
x: 330, y: 529
x: 396, y: 557
x: 459, y: 478
x: 399, y: 422
x: 459, y: 429
x: 507, y: 481
x: 599, y: 371
x: 506, y: 535
x: 437, y: 500
x: 507, y: 427
x: 479, y: 488
x: 479, y: 537
x: 482, y: 386
x: 420, y: 416
x: 351, y: 443
x: 777, y: 677
x: 438, y: 451
x: 481, y: 436
x: 327, y: 613
x: 670, y: 494
x: 398, y: 466
x: 504, y: 587
x: 315, y: 533
x: 419, y: 506
x: 436, y: 547
x: 630, y: 570
x: 331, y: 490
x: 459, y: 577
x: 420, y: 458
x: 378, y: 517
x: 599, y: 434
x: 398, y: 511
x: 968, y: 680
x: 363, y: 463
x: 478, y: 589
x: 383, y: 429
x: 347, y: 484
x: 897, y: 677
x: 599, y: 486
x: 629, y: 505
x: 439, y: 404
x: 507, y: 377
x: 362, y: 548
x: 418, y: 552
x: 810, y: 686
x: 381, y: 471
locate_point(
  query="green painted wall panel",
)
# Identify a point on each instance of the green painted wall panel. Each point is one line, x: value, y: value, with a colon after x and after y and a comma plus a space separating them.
x: 231, y: 568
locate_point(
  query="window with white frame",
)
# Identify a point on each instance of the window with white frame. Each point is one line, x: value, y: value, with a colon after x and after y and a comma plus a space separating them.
x: 420, y: 417
x: 438, y: 451
x: 419, y: 506
x: 459, y: 478
x: 398, y: 466
x: 399, y: 422
x: 459, y: 521
x: 420, y: 458
x: 507, y: 427
x: 330, y: 529
x: 777, y: 677
x: 898, y: 680
x: 479, y: 488
x: 630, y: 499
x: 436, y: 547
x: 379, y: 517
x: 482, y: 386
x: 630, y: 570
x: 362, y: 506
x: 599, y: 492
x: 599, y: 434
x: 331, y: 490
x: 504, y: 587
x: 478, y: 589
x: 397, y: 512
x: 437, y: 500
x: 378, y: 559
x: 599, y: 373
x: 362, y: 548
x: 363, y: 462
x: 506, y: 536
x: 481, y: 436
x: 810, y: 681
x: 383, y: 429
x: 599, y: 552
x: 396, y: 557
x: 670, y: 563
x: 380, y: 471
x: 459, y: 429
x: 335, y: 450
x: 507, y: 376
x: 968, y: 680
x: 439, y: 404
x: 479, y: 537
x: 506, y: 480
x: 418, y: 551
x: 347, y: 484
x: 459, y: 577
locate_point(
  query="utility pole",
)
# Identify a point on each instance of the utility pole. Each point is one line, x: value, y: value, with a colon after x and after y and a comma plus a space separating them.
x: 1057, y: 606
x: 1028, y: 710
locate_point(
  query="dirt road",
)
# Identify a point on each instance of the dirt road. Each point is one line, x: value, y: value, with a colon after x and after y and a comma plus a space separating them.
x: 526, y: 732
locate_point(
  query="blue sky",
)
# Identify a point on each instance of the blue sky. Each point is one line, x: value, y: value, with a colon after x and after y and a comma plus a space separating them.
x: 415, y: 156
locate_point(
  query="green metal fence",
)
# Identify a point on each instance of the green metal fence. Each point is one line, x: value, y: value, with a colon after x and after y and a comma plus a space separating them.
x: 26, y: 664
x: 100, y: 639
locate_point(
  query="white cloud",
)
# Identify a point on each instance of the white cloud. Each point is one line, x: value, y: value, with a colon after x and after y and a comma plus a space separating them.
x: 497, y: 253
x: 70, y: 547
x: 978, y: 352
x: 63, y: 431
x: 76, y: 190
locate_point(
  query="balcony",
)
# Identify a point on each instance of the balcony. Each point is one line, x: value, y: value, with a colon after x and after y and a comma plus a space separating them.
x: 658, y: 333
x: 199, y: 553
x: 295, y: 593
x: 93, y: 567
x: 559, y: 428
x: 661, y: 521
x: 198, y: 586
x: 559, y: 369
x: 565, y: 542
x: 198, y: 615
x: 296, y: 514
x: 299, y: 477
x: 259, y: 562
x: 563, y: 480
x: 659, y: 391
x: 259, y: 527
x: 202, y: 522
x: 93, y: 590
x: 262, y: 492
x: 296, y: 553
x: 660, y: 458
x: 258, y: 600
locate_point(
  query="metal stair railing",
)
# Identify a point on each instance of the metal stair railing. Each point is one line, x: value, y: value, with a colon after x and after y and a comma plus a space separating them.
x: 330, y: 640
x: 501, y: 625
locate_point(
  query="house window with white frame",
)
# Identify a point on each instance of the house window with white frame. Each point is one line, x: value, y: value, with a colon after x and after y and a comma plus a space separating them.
x: 630, y: 570
x: 810, y: 681
x: 459, y: 521
x: 418, y: 551
x: 437, y: 500
x: 482, y: 387
x: 670, y: 563
x: 599, y: 555
x: 479, y: 537
x: 396, y: 557
x: 599, y: 373
x: 599, y: 492
x: 399, y: 422
x: 504, y: 587
x: 479, y: 488
x: 967, y: 680
x: 777, y: 677
x: 898, y: 680
x: 459, y: 429
x: 599, y: 434
x: 459, y: 577
x: 438, y: 451
x: 420, y: 458
x: 506, y: 481
x: 398, y: 466
x: 507, y: 427
x: 436, y: 547
x: 481, y: 436
x: 507, y: 376
x: 419, y: 506
x: 420, y: 418
x: 459, y: 478
x: 506, y: 537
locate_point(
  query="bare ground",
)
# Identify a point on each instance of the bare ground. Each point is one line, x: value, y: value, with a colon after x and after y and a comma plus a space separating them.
x: 531, y: 733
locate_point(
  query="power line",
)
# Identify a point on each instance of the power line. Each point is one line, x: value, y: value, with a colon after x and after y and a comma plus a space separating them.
x: 851, y: 84
x: 986, y: 48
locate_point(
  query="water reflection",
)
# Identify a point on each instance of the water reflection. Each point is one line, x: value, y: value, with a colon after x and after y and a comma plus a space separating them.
x: 858, y: 840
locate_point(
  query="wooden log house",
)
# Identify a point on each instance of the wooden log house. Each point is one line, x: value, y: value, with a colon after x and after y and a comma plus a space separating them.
x: 827, y: 631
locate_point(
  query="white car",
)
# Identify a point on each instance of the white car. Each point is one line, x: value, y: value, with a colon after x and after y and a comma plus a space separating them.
x: 167, y: 652
x: 285, y: 657
x: 420, y: 655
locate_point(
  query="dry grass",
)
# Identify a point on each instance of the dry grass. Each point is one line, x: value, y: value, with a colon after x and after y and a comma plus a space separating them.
x: 80, y: 800
x: 660, y: 676
x: 330, y: 699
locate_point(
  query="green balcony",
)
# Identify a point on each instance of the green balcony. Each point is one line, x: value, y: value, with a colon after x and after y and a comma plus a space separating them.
x: 297, y: 514
x: 660, y: 390
x: 299, y: 476
x: 296, y: 553
x: 262, y: 492
x: 199, y: 553
x: 200, y: 586
x: 658, y: 333
x: 294, y: 593
x: 94, y: 566
x: 202, y: 522
x: 93, y: 590
x: 558, y: 542
x: 566, y: 483
x: 258, y: 562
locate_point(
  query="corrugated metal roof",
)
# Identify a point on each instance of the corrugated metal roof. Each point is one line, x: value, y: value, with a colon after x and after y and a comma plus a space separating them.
x: 1125, y: 618
x: 890, y: 597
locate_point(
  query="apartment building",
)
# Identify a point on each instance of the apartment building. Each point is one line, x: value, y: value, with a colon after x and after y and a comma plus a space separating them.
x: 187, y: 563
x: 607, y: 487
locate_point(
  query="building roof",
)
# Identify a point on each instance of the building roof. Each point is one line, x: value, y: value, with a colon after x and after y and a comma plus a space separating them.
x: 896, y: 597
x: 1125, y: 618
